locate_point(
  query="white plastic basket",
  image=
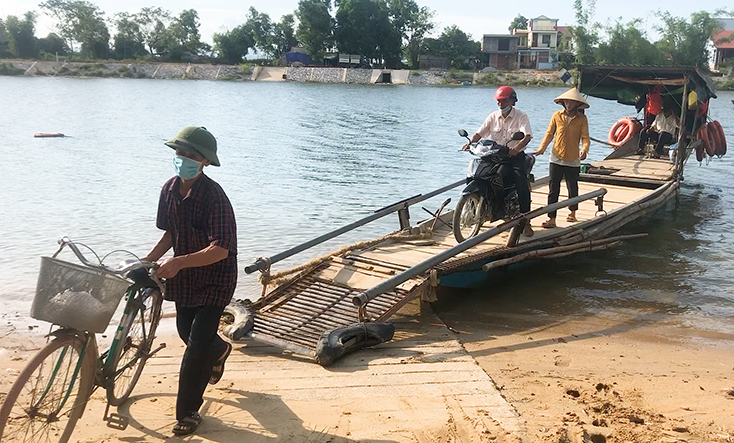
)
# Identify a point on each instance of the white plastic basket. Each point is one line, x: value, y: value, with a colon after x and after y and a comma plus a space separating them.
x: 76, y: 296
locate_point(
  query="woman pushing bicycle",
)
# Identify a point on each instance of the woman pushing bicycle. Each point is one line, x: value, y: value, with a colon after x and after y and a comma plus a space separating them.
x: 199, y: 224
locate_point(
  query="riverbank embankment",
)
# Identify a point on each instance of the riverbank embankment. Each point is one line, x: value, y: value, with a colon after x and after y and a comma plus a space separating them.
x: 244, y: 72
x: 305, y: 74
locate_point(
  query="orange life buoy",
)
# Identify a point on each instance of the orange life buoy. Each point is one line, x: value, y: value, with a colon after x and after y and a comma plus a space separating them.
x: 622, y: 131
x: 713, y: 140
x: 721, y: 146
x: 703, y: 135
x: 700, y: 152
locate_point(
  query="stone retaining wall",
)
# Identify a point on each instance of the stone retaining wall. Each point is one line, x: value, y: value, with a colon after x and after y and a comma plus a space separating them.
x: 293, y: 74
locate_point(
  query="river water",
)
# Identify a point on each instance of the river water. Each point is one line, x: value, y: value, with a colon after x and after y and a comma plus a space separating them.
x: 299, y: 160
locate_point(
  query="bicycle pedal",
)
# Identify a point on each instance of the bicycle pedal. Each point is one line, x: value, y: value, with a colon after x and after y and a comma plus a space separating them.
x: 117, y: 421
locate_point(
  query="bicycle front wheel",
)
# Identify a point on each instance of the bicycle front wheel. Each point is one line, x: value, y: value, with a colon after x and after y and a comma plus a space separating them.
x: 50, y: 394
x: 132, y: 345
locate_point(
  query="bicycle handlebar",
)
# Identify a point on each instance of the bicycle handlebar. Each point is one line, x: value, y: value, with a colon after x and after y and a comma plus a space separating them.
x: 65, y: 241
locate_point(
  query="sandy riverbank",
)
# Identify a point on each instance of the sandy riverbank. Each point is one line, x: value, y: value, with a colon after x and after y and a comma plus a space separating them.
x: 617, y: 377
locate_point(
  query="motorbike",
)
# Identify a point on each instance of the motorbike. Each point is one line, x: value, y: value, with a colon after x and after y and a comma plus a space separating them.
x: 488, y: 196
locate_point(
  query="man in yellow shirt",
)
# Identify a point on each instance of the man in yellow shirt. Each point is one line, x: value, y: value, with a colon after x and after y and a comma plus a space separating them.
x: 569, y: 127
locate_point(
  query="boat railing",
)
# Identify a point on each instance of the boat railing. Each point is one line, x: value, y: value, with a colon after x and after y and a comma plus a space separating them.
x: 401, y: 207
x: 364, y: 297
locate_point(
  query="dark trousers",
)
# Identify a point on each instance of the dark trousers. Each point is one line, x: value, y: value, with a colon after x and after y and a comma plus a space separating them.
x: 662, y: 139
x: 197, y: 327
x: 556, y: 174
x: 516, y: 171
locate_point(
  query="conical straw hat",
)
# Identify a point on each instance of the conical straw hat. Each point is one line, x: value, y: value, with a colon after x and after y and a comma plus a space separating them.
x: 575, y: 95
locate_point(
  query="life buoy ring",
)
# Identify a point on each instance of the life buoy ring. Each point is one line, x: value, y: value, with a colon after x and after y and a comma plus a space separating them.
x: 721, y: 143
x: 713, y: 140
x: 700, y: 152
x: 622, y: 131
x: 703, y: 135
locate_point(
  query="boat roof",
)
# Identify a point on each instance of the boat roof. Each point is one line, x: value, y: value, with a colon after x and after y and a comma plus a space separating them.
x: 628, y: 84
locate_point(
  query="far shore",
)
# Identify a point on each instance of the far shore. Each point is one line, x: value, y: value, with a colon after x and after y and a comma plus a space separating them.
x: 307, y: 74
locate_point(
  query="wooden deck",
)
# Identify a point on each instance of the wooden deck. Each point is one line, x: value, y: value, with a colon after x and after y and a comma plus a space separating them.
x: 296, y: 314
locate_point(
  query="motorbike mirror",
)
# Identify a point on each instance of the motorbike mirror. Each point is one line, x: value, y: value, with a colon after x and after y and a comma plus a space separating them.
x: 463, y: 133
x: 519, y: 135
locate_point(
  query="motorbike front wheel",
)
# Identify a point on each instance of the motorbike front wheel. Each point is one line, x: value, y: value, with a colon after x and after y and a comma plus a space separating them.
x: 468, y: 216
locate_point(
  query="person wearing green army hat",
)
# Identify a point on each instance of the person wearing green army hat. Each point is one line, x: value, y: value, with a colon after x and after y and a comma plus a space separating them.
x: 198, y: 223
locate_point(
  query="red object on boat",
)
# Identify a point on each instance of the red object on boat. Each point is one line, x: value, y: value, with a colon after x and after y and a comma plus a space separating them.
x: 622, y: 131
x: 703, y: 135
x: 713, y: 140
x: 48, y: 134
x: 721, y: 143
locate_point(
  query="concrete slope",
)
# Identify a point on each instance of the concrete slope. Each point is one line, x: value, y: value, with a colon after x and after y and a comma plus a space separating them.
x: 421, y: 387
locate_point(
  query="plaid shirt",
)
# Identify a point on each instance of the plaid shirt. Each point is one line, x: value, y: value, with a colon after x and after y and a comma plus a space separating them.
x: 204, y: 217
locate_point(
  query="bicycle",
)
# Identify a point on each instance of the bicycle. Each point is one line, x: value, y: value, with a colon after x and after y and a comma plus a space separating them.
x: 51, y: 392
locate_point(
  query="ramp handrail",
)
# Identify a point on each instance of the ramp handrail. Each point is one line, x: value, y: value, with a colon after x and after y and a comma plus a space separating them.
x: 261, y: 264
x: 364, y: 297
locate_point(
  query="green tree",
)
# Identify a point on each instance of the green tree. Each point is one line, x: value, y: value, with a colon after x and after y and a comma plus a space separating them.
x: 233, y: 45
x: 152, y: 23
x: 285, y: 34
x: 184, y: 35
x: 625, y: 44
x: 315, y: 27
x: 80, y: 21
x: 129, y: 40
x: 263, y: 32
x: 53, y: 44
x: 3, y: 40
x: 456, y: 45
x: 687, y: 43
x: 413, y: 23
x: 518, y: 22
x: 584, y: 36
x: 21, y: 35
x: 364, y: 27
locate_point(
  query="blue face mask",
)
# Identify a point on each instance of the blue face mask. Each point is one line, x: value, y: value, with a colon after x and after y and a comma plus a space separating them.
x: 185, y: 167
x: 506, y: 110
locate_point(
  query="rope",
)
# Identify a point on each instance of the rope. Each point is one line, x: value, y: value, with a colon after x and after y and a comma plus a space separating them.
x: 281, y: 277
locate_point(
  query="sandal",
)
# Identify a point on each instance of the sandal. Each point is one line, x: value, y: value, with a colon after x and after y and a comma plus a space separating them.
x: 550, y: 223
x: 571, y: 219
x: 187, y: 425
x: 218, y: 368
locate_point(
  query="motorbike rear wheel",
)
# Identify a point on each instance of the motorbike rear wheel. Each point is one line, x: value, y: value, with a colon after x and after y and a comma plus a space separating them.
x: 468, y: 216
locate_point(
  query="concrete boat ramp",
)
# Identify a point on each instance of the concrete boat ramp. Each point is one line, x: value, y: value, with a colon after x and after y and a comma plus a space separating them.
x: 421, y: 387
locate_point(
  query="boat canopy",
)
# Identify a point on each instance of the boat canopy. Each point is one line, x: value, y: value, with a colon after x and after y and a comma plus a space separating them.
x: 630, y: 84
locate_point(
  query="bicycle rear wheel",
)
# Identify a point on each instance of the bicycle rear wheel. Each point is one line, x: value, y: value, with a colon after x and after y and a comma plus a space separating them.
x: 132, y: 345
x: 50, y: 394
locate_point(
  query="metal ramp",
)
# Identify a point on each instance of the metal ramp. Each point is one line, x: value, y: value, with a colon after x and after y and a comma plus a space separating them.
x: 294, y: 316
x: 369, y: 282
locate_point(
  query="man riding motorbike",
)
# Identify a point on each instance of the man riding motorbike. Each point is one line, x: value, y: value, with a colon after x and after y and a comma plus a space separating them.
x: 499, y: 126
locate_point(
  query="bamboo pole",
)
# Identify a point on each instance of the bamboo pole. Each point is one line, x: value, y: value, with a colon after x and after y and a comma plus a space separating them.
x: 576, y: 247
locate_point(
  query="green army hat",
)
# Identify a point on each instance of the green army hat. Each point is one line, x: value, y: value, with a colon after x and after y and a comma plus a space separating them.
x: 198, y: 140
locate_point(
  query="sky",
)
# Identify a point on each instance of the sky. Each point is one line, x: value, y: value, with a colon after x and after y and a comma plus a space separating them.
x: 475, y: 17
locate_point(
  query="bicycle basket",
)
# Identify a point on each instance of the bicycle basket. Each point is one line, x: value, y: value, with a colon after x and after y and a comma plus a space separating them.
x: 76, y: 296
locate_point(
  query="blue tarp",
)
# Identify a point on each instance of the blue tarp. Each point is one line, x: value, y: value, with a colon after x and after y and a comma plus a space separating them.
x: 291, y: 57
